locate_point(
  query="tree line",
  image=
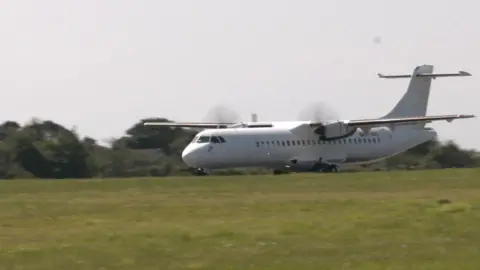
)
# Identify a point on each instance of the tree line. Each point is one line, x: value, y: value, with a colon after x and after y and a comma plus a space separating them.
x: 45, y: 149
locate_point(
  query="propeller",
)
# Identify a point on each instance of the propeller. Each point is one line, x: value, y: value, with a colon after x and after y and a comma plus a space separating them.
x: 317, y: 111
x: 222, y: 114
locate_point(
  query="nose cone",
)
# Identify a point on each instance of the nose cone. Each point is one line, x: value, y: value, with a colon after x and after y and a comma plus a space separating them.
x: 189, y: 156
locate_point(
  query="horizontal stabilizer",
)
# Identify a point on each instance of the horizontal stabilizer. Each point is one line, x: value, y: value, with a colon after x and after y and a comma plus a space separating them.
x: 430, y: 75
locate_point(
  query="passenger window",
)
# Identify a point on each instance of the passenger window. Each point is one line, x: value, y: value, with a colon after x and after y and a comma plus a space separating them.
x: 303, y: 142
x: 293, y: 142
x: 203, y: 139
x: 222, y: 140
x: 215, y: 140
x: 258, y: 144
x: 288, y: 143
x: 298, y: 142
x: 283, y: 143
x: 278, y: 143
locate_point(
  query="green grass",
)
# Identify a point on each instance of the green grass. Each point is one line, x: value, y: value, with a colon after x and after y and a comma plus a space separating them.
x: 303, y: 221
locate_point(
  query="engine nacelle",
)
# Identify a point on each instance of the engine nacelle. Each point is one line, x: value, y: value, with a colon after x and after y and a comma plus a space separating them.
x: 334, y: 130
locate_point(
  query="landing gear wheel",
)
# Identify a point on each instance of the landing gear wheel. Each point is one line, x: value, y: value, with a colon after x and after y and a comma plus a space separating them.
x: 331, y: 168
x: 199, y: 172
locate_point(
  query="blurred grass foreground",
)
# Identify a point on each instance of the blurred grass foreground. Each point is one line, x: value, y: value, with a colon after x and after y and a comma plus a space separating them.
x: 399, y: 220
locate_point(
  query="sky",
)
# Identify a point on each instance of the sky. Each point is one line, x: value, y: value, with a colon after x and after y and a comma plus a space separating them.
x: 102, y: 66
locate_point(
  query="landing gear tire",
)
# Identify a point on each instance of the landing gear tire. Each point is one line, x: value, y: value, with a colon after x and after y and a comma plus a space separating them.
x: 331, y: 168
x: 199, y: 172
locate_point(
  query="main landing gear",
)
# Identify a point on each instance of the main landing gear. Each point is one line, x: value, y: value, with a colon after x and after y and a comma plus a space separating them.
x: 331, y: 168
x: 199, y: 172
x: 324, y: 167
x: 321, y: 167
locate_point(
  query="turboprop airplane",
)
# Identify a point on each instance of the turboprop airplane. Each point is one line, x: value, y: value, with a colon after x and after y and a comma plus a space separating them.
x: 307, y: 146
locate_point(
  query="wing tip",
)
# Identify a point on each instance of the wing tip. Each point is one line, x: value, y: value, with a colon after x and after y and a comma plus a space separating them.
x: 464, y: 73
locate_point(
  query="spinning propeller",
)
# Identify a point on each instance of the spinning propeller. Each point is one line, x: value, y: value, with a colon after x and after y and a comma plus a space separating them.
x: 317, y: 111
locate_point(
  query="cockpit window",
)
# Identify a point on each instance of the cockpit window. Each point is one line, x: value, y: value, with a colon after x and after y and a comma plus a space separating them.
x: 222, y: 140
x: 203, y: 139
x: 194, y: 139
x: 215, y: 140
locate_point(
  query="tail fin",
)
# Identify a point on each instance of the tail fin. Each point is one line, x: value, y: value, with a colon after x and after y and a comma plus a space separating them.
x: 415, y: 101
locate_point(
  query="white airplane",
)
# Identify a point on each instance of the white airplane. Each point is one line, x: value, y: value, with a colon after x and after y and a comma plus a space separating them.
x: 301, y: 146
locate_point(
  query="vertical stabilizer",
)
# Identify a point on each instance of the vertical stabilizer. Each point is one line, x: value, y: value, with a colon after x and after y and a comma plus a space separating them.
x: 415, y: 101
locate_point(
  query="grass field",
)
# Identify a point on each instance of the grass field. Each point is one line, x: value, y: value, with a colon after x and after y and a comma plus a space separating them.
x: 303, y: 221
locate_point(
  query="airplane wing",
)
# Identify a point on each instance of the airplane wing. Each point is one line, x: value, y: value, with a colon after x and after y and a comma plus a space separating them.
x: 188, y: 124
x: 398, y: 121
x: 406, y: 120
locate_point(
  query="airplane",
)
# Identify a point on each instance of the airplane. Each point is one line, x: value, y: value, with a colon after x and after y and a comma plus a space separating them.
x: 317, y: 146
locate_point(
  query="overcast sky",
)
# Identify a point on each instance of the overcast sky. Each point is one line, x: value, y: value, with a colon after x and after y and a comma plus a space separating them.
x: 104, y: 65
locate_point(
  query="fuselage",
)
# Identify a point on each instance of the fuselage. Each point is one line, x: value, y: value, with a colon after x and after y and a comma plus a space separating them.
x: 282, y: 145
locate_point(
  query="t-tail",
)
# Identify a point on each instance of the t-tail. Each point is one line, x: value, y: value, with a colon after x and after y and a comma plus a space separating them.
x: 415, y: 101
